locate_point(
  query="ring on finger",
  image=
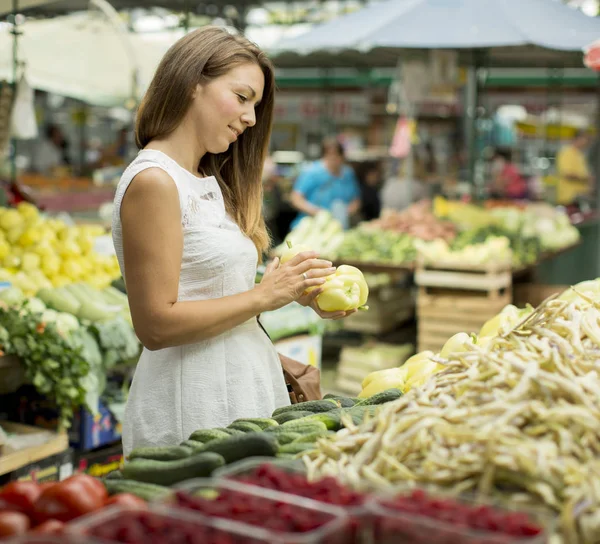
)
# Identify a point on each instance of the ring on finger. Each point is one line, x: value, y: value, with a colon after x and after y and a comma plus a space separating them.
x: 304, y: 275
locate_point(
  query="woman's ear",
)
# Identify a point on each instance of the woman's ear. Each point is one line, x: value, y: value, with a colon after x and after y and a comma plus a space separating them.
x: 197, y: 90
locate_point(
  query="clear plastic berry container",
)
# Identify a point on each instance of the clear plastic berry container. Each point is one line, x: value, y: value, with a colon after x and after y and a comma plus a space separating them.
x: 51, y: 539
x: 248, y: 465
x: 287, y: 518
x: 255, y: 471
x: 160, y: 524
x: 421, y: 516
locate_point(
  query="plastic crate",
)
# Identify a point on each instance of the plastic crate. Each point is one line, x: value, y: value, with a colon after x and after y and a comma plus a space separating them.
x: 52, y: 539
x: 394, y: 526
x: 159, y: 521
x: 336, y: 527
x: 246, y: 466
x: 360, y: 518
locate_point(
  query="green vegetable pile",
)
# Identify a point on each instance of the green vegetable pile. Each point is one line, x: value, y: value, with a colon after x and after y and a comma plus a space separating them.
x: 52, y: 363
x: 525, y: 249
x: 68, y: 338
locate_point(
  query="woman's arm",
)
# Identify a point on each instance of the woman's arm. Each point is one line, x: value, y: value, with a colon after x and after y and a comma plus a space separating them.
x: 302, y: 205
x: 354, y: 206
x: 153, y: 246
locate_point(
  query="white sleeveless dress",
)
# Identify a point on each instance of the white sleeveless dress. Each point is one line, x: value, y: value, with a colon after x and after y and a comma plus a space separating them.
x: 178, y: 390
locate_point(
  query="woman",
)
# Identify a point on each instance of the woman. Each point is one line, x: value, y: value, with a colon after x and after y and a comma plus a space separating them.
x: 369, y: 178
x: 188, y: 230
x: 508, y: 182
x: 327, y: 184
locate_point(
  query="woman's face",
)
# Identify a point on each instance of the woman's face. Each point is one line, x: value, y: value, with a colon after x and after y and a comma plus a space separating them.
x: 224, y: 108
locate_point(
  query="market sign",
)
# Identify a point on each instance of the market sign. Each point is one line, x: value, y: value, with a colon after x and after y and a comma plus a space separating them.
x: 306, y: 108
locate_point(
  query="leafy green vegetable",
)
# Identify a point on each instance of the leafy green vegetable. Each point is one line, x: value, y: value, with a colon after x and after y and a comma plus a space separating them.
x: 53, y: 363
x: 117, y: 340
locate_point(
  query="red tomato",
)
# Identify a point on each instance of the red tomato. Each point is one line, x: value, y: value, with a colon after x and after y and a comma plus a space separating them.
x: 50, y: 527
x: 13, y: 523
x: 46, y: 485
x: 21, y: 495
x: 71, y: 498
x: 127, y: 500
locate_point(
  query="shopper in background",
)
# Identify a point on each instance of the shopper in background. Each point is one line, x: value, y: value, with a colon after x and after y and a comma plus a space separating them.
x: 507, y: 182
x: 52, y: 152
x: 117, y: 153
x: 574, y: 178
x: 327, y: 184
x: 272, y: 199
x: 370, y: 179
x: 188, y: 231
x: 400, y: 191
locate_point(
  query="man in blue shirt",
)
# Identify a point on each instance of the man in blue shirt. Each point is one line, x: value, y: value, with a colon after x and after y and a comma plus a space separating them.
x: 327, y: 184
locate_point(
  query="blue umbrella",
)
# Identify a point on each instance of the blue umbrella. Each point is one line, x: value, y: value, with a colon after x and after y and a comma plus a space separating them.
x: 512, y: 32
x: 451, y: 24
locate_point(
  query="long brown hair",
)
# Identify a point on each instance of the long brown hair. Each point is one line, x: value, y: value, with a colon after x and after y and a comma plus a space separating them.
x: 198, y: 58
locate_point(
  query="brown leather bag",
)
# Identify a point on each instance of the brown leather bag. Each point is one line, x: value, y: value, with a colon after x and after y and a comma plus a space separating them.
x: 303, y: 381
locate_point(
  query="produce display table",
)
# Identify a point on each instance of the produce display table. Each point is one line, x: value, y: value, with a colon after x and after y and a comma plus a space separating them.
x: 90, y: 199
x: 11, y: 461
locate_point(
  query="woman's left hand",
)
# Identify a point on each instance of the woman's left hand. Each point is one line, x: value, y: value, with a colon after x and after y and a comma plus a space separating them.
x: 309, y: 299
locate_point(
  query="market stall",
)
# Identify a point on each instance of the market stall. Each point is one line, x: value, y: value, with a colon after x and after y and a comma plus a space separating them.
x: 493, y: 439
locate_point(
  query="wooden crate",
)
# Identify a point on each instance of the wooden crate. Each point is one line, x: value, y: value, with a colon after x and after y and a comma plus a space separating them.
x: 453, y: 301
x: 534, y: 293
x: 389, y: 307
x: 356, y: 363
x: 14, y: 460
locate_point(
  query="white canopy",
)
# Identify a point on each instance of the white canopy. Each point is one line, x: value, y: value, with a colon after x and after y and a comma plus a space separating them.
x: 84, y: 56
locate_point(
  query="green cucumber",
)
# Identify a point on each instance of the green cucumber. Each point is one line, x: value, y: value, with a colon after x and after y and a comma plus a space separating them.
x: 359, y: 413
x: 345, y: 402
x: 245, y: 426
x: 296, y: 447
x: 199, y: 465
x: 231, y: 432
x: 194, y: 445
x: 312, y: 437
x: 330, y: 419
x: 164, y: 453
x: 206, y: 435
x: 262, y: 422
x: 314, y: 406
x: 236, y: 448
x: 388, y: 395
x: 301, y: 426
x: 289, y: 416
x: 114, y: 475
x: 286, y: 438
x: 148, y: 492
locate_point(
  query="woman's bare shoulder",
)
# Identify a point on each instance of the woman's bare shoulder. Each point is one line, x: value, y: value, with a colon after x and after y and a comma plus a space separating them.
x: 151, y: 189
x: 153, y: 180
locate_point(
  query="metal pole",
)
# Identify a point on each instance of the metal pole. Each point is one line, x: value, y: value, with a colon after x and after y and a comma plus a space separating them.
x: 597, y: 172
x: 15, y: 33
x: 471, y: 100
x: 186, y: 18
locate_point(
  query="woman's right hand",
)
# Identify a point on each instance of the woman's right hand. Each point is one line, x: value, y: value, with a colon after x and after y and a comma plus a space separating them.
x: 283, y: 284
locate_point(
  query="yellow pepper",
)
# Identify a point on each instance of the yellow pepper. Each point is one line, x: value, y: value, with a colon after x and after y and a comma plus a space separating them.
x: 382, y: 381
x: 346, y: 289
x: 456, y: 344
x: 292, y: 251
x: 383, y: 374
